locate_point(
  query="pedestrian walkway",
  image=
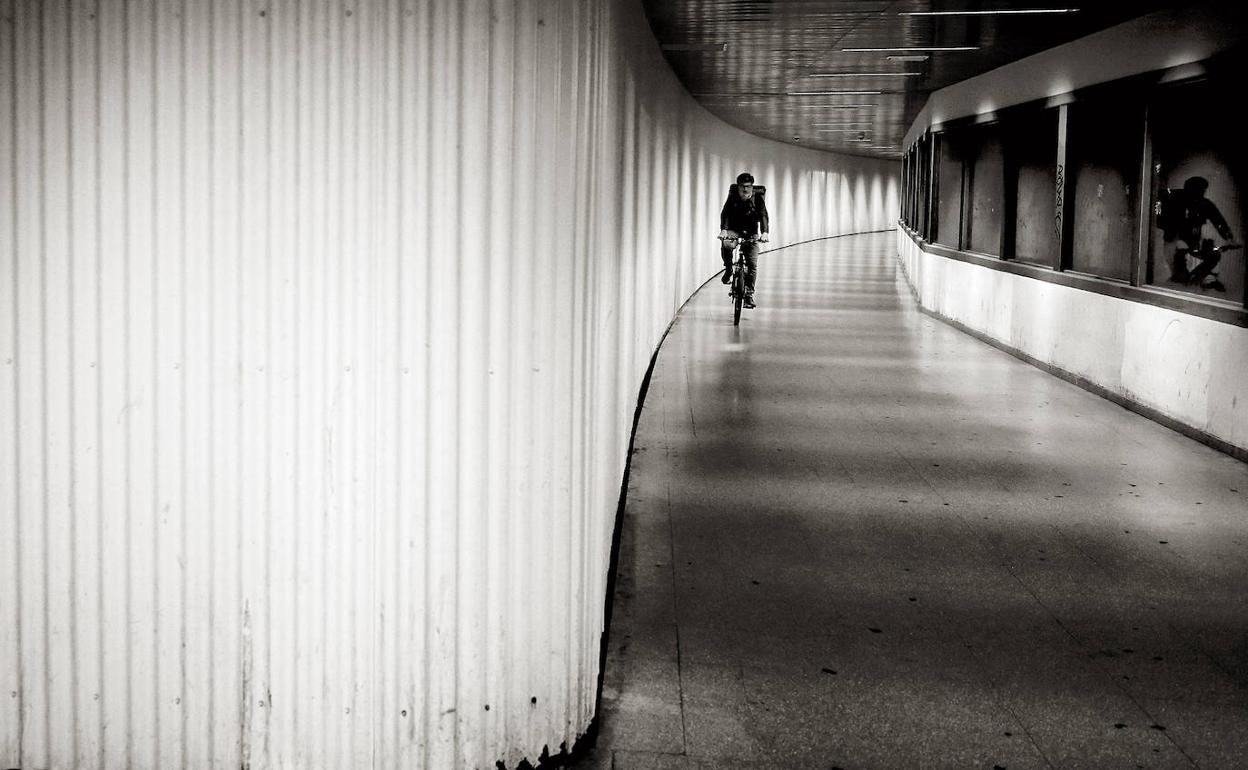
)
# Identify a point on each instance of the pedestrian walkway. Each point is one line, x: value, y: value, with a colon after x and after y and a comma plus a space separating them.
x: 856, y: 537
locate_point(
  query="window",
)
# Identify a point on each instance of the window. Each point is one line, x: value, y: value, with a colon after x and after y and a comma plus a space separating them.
x: 1106, y: 138
x: 951, y: 149
x: 970, y: 189
x: 1132, y: 188
x: 924, y: 177
x: 1031, y: 154
x: 986, y: 191
x: 1197, y: 162
x: 908, y: 187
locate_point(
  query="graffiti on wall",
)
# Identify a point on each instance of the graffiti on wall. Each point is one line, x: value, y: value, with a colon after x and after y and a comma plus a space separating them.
x: 1061, y: 193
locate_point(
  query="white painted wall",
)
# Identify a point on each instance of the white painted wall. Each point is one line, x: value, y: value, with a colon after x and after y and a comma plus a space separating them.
x: 321, y: 327
x: 1189, y: 369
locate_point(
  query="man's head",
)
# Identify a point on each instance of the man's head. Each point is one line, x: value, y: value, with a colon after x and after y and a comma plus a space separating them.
x: 1196, y: 186
x: 745, y: 185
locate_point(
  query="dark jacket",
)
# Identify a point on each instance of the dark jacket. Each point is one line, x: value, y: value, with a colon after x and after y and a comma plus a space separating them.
x: 744, y: 217
x: 1187, y: 213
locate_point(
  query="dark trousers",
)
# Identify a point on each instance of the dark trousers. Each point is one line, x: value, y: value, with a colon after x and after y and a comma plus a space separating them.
x: 749, y: 250
x: 1209, y: 259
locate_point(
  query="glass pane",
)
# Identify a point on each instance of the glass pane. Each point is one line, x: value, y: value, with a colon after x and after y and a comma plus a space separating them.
x: 907, y: 200
x: 924, y: 166
x: 949, y: 196
x: 1032, y: 146
x: 1106, y: 141
x: 1197, y: 162
x: 987, y: 192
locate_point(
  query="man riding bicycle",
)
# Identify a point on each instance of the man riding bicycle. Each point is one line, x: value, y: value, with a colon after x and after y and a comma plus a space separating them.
x: 745, y: 216
x: 1187, y: 211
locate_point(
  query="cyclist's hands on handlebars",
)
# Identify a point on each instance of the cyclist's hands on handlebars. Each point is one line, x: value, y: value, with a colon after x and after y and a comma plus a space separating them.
x: 729, y: 236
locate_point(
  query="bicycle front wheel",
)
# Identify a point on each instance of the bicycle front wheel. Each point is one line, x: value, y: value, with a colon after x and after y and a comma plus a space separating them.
x: 738, y: 296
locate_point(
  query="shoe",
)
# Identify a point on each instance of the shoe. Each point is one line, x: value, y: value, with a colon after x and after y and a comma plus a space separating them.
x: 1216, y: 285
x: 748, y: 302
x: 727, y: 276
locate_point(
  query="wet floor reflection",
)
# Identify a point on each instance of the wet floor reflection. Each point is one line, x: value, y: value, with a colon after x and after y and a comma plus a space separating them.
x: 857, y: 537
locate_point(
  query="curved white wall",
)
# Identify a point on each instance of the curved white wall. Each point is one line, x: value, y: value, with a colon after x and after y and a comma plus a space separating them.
x: 323, y: 326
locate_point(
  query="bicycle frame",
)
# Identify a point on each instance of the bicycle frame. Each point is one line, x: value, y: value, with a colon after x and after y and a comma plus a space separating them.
x: 1204, y: 274
x: 736, y: 290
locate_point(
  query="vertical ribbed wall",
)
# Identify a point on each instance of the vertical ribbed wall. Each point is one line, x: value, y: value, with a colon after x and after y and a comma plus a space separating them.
x: 322, y: 325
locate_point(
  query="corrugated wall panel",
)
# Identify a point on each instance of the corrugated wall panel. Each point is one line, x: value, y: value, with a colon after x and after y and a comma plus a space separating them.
x: 322, y: 326
x: 10, y: 533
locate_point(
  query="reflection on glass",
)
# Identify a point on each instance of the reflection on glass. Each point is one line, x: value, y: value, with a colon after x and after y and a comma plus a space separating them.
x: 1197, y: 160
x: 1183, y: 216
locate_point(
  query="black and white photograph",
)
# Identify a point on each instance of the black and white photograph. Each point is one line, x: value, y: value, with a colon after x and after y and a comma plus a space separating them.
x: 623, y: 385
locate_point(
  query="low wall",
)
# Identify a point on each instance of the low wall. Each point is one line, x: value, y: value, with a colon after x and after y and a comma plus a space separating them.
x: 1183, y: 370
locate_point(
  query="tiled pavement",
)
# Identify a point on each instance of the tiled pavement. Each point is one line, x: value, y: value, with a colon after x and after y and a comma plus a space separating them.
x: 858, y: 538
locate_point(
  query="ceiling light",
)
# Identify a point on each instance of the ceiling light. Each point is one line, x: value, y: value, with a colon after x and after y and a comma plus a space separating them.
x: 740, y: 95
x: 864, y: 74
x: 1004, y: 12
x: 694, y: 46
x: 910, y: 57
x: 830, y: 93
x: 841, y: 131
x: 913, y: 48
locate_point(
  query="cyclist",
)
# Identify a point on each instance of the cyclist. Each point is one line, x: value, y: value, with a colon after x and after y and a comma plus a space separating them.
x: 744, y: 215
x: 1189, y: 211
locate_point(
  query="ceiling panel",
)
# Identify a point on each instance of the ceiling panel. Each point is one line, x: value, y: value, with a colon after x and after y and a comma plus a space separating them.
x: 796, y: 70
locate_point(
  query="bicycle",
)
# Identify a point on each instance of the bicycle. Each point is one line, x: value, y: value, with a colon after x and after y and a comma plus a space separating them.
x: 736, y: 287
x: 1204, y: 274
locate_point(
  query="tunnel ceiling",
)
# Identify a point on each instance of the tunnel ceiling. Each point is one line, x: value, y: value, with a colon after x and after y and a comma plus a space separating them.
x: 784, y: 69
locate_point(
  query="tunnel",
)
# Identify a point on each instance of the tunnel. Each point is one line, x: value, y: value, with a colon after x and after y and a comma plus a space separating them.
x: 372, y: 395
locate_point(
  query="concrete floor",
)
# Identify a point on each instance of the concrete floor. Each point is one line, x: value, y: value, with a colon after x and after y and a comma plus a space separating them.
x: 858, y: 538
